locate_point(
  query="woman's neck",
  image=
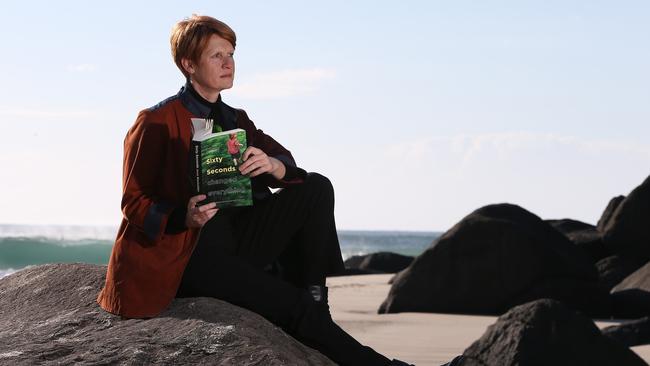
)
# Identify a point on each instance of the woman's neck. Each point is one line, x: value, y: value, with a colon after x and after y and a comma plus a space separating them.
x: 210, y: 96
x: 200, y: 95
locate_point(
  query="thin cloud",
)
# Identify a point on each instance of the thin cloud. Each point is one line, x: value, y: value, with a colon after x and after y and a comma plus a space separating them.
x: 82, y: 67
x: 283, y: 84
x: 27, y: 112
x: 514, y: 142
x: 471, y: 147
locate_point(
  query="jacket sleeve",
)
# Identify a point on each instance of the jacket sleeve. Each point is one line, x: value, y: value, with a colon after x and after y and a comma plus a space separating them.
x: 144, y: 152
x: 257, y: 138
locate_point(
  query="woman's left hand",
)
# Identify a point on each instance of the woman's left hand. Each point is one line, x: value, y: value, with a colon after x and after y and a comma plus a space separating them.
x: 256, y: 162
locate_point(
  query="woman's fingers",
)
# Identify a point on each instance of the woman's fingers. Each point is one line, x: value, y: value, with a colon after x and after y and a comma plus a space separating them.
x: 256, y: 162
x: 194, y: 200
x: 204, y: 217
x: 251, y: 160
x: 255, y: 171
x: 206, y: 207
x: 256, y: 166
x: 197, y: 216
x: 251, y: 150
x: 210, y: 214
x: 251, y: 167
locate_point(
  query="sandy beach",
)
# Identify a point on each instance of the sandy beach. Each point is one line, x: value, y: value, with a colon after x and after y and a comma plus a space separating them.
x: 419, y: 338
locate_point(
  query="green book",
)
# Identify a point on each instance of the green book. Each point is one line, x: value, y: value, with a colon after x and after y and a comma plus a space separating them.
x: 217, y: 156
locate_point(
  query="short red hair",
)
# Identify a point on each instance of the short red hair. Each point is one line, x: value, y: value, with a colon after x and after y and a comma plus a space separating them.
x: 190, y: 36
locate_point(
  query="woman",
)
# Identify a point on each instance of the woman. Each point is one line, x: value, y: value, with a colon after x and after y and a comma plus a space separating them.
x: 159, y: 254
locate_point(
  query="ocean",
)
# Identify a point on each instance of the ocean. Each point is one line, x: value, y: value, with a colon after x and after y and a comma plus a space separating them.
x: 25, y: 245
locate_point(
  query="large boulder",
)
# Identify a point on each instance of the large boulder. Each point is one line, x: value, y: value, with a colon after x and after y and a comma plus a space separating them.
x: 486, y: 262
x: 609, y: 212
x: 628, y: 229
x: 591, y: 242
x: 630, y: 334
x: 48, y: 315
x: 639, y: 280
x: 631, y: 297
x: 380, y: 262
x: 614, y: 269
x: 545, y: 332
x: 584, y: 235
x: 589, y: 297
x: 567, y: 226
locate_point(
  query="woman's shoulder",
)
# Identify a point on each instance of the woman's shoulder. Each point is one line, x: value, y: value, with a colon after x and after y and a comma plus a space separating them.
x: 163, y: 112
x: 166, y: 106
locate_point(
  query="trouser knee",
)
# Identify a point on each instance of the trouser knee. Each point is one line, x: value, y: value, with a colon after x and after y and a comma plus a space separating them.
x: 320, y: 185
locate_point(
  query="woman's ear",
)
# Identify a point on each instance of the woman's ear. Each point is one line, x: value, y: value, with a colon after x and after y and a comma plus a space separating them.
x: 188, y: 65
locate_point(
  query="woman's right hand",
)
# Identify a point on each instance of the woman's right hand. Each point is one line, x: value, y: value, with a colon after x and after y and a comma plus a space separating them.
x: 197, y: 216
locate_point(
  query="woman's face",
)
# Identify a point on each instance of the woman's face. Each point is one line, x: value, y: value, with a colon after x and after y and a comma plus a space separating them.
x: 215, y: 70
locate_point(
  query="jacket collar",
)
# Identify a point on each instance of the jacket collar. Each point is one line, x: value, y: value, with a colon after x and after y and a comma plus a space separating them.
x: 201, y: 108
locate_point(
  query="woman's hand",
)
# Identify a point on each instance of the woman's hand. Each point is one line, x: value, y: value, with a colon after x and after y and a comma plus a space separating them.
x: 256, y: 162
x: 197, y: 216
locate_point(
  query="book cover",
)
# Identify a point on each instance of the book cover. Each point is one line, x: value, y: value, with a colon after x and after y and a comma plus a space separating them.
x: 217, y: 156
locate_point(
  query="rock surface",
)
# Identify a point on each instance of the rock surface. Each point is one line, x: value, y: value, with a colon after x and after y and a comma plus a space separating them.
x: 567, y: 226
x: 614, y: 269
x: 630, y: 334
x: 628, y: 229
x: 639, y: 279
x: 486, y: 262
x: 380, y: 262
x: 631, y: 297
x: 584, y: 235
x: 591, y: 242
x: 545, y: 332
x: 588, y: 297
x: 48, y: 315
x: 609, y: 212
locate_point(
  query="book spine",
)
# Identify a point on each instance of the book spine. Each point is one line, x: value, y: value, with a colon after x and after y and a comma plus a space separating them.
x: 196, y: 146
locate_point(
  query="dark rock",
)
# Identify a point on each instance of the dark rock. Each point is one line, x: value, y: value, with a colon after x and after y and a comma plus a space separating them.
x: 354, y: 261
x: 48, y: 314
x: 609, y: 212
x: 589, y: 297
x: 591, y: 242
x: 630, y: 334
x: 385, y: 262
x: 631, y: 297
x: 639, y: 279
x: 566, y: 226
x: 485, y: 262
x: 628, y: 230
x: 545, y: 332
x: 614, y: 269
x: 584, y: 235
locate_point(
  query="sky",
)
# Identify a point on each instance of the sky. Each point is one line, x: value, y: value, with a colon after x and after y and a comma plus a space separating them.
x: 419, y: 112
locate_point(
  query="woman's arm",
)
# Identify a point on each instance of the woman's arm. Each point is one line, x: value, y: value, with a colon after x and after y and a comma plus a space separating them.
x: 144, y: 153
x: 258, y: 139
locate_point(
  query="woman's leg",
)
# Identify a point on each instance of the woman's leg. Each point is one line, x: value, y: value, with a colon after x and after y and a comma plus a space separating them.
x: 295, y: 226
x: 215, y: 273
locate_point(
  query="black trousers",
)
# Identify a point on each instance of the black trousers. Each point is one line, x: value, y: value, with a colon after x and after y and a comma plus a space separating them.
x: 294, y: 230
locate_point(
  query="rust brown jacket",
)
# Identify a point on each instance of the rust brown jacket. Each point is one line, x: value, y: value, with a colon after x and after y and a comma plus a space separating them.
x: 148, y: 259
